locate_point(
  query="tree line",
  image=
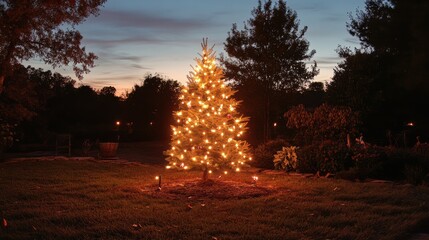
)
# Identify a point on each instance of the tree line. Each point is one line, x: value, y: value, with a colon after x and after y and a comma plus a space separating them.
x: 384, y: 81
x: 41, y: 104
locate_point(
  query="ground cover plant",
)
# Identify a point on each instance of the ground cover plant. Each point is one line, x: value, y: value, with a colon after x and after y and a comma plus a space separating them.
x: 87, y: 199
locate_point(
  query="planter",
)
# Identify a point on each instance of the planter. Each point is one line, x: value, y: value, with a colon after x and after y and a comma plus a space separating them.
x: 108, y: 149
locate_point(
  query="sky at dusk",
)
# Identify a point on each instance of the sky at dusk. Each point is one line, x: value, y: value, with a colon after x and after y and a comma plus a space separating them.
x: 135, y: 37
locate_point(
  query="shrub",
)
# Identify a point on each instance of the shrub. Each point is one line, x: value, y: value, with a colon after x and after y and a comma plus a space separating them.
x: 400, y: 159
x: 6, y: 135
x: 415, y: 173
x: 326, y: 157
x: 308, y: 159
x: 422, y: 150
x: 368, y: 161
x: 286, y: 159
x: 324, y: 122
x: 264, y: 154
x: 390, y: 164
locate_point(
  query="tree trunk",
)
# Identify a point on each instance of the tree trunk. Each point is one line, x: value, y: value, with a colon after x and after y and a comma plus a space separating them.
x: 267, y: 126
x: 1, y: 83
x: 5, y: 67
x: 205, y: 175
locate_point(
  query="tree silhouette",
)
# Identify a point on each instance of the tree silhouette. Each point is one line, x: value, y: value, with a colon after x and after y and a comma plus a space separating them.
x: 149, y: 107
x: 269, y: 55
x: 40, y: 29
x: 386, y: 78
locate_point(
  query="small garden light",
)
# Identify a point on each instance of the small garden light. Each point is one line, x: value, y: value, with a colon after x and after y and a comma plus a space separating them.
x: 255, y: 179
x: 159, y: 182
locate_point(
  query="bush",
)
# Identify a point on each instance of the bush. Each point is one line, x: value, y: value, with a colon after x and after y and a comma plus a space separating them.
x: 388, y: 163
x: 422, y: 150
x: 368, y: 161
x: 264, y: 154
x: 325, y: 157
x: 286, y: 159
x: 415, y: 173
x: 308, y: 159
x: 6, y: 135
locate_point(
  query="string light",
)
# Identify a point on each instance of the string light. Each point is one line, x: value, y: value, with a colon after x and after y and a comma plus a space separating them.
x: 208, y: 109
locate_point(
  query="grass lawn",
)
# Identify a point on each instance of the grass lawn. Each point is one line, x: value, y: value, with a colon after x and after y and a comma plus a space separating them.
x: 72, y: 199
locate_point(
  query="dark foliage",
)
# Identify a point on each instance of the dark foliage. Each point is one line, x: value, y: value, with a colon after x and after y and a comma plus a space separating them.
x: 387, y: 163
x: 269, y: 55
x: 263, y: 154
x: 325, y: 122
x: 324, y: 157
x: 149, y: 107
x: 46, y: 30
x: 37, y: 105
x: 386, y: 79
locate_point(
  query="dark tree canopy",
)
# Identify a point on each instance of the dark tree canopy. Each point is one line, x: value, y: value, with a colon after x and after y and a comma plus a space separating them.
x: 44, y: 29
x: 271, y: 49
x: 150, y: 106
x: 268, y: 55
x: 387, y: 78
x: 108, y: 91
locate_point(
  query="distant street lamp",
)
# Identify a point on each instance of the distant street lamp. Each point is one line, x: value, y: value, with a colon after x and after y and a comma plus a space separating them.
x: 275, y: 129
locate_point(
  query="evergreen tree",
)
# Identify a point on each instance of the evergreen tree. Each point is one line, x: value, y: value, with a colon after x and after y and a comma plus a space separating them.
x: 209, y: 128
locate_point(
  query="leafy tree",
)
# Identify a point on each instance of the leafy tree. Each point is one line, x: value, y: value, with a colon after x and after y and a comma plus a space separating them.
x: 39, y: 29
x: 149, y: 106
x: 386, y: 78
x: 24, y: 104
x: 268, y: 55
x: 323, y: 123
x: 108, y: 91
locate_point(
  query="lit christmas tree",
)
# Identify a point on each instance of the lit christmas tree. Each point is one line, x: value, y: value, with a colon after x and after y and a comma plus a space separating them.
x: 209, y: 128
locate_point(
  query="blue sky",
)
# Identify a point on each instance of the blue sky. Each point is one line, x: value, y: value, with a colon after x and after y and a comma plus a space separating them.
x: 136, y: 37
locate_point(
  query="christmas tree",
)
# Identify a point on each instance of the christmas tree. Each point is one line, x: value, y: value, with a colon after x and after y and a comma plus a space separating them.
x: 208, y: 127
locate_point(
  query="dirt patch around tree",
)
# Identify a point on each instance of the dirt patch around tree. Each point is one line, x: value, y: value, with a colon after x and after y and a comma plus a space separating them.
x: 210, y: 189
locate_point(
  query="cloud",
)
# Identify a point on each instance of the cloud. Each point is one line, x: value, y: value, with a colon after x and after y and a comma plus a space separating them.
x: 128, y: 58
x: 140, y: 66
x: 328, y: 60
x: 147, y: 20
x: 352, y: 40
x: 113, y: 42
x: 333, y: 18
x: 113, y: 58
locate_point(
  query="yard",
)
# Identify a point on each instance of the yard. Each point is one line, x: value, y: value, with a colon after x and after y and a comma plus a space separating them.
x: 83, y: 198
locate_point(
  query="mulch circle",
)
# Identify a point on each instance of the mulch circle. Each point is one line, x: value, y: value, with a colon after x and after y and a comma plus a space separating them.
x: 210, y: 189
